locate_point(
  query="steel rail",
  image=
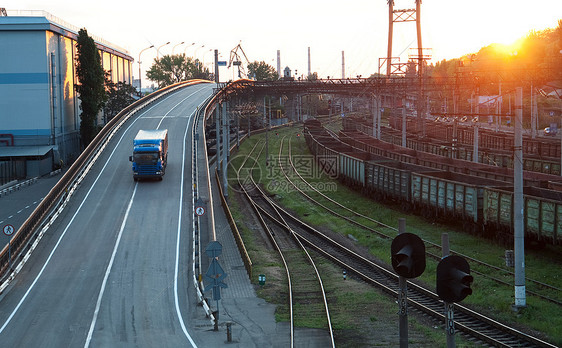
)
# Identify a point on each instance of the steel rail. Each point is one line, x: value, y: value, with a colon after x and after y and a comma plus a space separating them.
x: 476, y: 261
x: 420, y: 297
x: 386, y: 236
x: 261, y: 213
x: 270, y: 234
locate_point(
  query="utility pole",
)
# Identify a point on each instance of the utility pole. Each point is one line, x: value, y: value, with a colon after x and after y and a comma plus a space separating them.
x: 404, y: 121
x: 266, y: 133
x: 518, y: 227
x: 475, y: 145
x: 225, y: 148
x: 449, y: 307
x: 308, y: 62
x: 342, y: 65
x: 279, y: 64
x: 218, y: 116
x: 390, y: 28
x: 216, y: 66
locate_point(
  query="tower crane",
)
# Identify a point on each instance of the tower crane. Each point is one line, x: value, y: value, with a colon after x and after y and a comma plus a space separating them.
x: 236, y: 60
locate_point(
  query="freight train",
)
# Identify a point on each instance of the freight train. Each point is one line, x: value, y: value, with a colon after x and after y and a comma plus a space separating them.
x: 495, y: 148
x: 437, y: 187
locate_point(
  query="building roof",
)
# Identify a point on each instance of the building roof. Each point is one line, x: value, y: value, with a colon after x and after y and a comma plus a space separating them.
x: 41, y: 20
x: 25, y: 151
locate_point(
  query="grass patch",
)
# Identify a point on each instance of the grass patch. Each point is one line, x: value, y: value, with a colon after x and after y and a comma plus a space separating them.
x: 488, y: 296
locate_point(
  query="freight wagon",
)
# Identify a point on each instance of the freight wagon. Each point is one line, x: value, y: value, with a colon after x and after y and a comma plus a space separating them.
x: 476, y: 200
x: 542, y: 214
x: 360, y: 143
x: 540, y: 155
x: 391, y: 180
x: 488, y: 138
x: 451, y: 196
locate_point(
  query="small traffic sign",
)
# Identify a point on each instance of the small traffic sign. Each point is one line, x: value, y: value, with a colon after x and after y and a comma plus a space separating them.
x: 214, y: 249
x: 200, y: 211
x: 8, y: 230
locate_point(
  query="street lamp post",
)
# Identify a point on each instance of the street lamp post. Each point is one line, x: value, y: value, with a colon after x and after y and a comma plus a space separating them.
x: 158, y: 49
x: 140, y: 76
x: 195, y: 53
x: 158, y: 57
x: 173, y: 48
x: 185, y: 51
x: 205, y: 54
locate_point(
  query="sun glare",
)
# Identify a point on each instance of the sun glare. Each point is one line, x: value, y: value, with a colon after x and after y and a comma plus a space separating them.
x: 508, y: 48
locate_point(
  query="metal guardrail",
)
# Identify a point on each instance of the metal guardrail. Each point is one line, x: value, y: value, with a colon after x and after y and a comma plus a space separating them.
x: 60, y: 193
x: 237, y: 236
x: 197, y: 262
x: 17, y: 186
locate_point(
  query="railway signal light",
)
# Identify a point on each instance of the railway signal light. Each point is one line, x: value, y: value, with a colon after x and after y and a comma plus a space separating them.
x: 453, y: 279
x: 408, y: 255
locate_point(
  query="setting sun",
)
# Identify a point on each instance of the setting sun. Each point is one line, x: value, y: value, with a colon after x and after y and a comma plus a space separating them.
x: 507, y: 49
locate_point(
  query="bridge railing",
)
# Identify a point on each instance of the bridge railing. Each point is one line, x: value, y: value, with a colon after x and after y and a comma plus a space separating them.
x: 27, y: 236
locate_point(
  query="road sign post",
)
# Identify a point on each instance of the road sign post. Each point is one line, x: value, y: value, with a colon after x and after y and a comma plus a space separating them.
x: 8, y: 231
x: 215, y: 274
x: 200, y: 211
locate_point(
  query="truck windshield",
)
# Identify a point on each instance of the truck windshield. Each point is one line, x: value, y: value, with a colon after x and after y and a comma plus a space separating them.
x: 146, y: 157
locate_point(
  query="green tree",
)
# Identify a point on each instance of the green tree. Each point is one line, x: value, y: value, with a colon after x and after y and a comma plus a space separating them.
x: 172, y: 69
x: 90, y: 85
x: 261, y: 71
x: 119, y: 96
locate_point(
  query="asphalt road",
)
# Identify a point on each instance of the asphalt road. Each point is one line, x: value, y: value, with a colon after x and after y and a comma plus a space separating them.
x: 16, y: 206
x: 113, y: 269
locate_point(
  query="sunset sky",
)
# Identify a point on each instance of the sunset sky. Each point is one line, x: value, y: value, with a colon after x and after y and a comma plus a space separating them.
x: 358, y: 27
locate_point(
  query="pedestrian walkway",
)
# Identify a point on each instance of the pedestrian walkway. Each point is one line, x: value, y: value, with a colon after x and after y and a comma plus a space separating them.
x: 252, y: 320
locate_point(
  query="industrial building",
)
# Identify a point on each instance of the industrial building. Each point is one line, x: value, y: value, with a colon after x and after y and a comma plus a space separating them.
x: 39, y: 106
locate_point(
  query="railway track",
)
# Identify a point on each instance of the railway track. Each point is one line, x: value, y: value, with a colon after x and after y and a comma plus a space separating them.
x: 476, y: 327
x: 503, y: 276
x: 306, y: 294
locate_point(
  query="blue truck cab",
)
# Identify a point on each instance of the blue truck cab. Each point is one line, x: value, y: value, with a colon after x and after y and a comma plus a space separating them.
x: 150, y: 154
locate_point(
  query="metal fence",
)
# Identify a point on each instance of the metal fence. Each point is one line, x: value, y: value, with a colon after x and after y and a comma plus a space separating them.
x: 11, y: 170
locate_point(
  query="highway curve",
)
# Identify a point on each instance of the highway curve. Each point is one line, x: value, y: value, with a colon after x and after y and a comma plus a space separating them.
x: 104, y: 273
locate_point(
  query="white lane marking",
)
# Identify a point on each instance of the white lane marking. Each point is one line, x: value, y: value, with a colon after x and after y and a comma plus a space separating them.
x: 11, y: 216
x: 19, y: 211
x: 176, y: 271
x: 108, y: 269
x: 175, y: 106
x: 27, y: 207
x: 20, y: 303
x: 66, y: 228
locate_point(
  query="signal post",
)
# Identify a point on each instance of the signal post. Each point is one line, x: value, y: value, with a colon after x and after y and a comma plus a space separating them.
x: 453, y: 285
x: 408, y: 260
